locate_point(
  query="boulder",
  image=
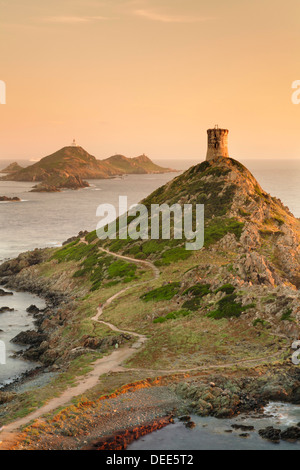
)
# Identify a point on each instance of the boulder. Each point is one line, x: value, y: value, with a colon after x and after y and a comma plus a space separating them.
x: 33, y: 309
x: 291, y: 434
x: 4, y: 293
x: 6, y: 397
x: 31, y: 337
x: 271, y: 434
x: 6, y: 309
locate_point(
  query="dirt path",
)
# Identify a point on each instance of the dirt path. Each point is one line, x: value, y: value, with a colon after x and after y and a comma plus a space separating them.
x: 8, y: 434
x: 150, y: 265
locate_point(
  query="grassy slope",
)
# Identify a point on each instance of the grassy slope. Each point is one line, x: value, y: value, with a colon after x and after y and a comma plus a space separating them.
x: 182, y: 342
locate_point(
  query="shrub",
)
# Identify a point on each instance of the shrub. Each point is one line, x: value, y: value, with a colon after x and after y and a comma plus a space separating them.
x: 121, y: 269
x: 218, y: 228
x: 74, y: 252
x: 198, y: 289
x: 227, y: 288
x: 286, y: 316
x: 90, y: 237
x: 141, y: 255
x: 175, y: 254
x: 260, y: 321
x: 227, y: 308
x: 173, y: 316
x: 192, y: 304
x: 162, y: 293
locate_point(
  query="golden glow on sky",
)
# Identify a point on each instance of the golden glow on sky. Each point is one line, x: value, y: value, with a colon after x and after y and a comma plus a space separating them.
x: 134, y: 76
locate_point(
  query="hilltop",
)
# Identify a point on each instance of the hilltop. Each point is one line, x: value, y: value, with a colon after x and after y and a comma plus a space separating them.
x: 226, y: 314
x: 68, y: 167
x: 240, y: 217
x: 12, y: 168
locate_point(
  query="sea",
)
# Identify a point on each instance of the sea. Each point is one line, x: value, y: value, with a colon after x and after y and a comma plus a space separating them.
x: 48, y: 219
x: 211, y: 433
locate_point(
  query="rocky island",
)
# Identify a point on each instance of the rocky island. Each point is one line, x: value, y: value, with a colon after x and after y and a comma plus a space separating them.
x: 69, y: 167
x: 9, y: 199
x: 174, y: 331
x: 12, y: 168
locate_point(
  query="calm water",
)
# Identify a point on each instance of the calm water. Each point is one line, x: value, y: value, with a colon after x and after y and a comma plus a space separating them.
x: 11, y: 323
x: 210, y: 433
x: 48, y: 219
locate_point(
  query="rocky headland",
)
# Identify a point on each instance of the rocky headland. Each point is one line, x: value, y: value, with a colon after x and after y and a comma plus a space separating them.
x: 219, y: 322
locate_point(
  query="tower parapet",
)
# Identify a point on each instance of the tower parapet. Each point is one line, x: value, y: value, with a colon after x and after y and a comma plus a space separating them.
x: 217, y: 143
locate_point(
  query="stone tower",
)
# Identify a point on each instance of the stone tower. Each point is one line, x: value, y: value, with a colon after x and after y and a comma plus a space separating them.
x: 217, y: 143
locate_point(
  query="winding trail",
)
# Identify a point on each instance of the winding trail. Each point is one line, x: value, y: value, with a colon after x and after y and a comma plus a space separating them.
x: 10, y: 434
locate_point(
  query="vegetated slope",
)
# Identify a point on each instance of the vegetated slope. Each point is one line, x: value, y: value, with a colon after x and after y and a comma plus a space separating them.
x: 239, y: 216
x: 12, y: 168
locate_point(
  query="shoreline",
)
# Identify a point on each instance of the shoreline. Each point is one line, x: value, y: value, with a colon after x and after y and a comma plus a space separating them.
x: 16, y: 320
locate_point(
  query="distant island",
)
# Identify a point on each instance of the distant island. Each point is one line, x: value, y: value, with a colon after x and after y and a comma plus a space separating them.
x: 12, y: 168
x: 69, y: 167
x: 9, y: 199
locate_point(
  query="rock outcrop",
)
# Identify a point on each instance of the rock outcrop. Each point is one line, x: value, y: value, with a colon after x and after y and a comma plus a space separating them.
x: 9, y: 199
x: 12, y: 168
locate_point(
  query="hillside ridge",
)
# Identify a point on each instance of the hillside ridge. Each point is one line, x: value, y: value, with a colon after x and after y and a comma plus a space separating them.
x: 70, y: 166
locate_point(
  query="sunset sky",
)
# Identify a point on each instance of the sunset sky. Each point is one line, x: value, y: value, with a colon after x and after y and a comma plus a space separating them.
x: 149, y: 76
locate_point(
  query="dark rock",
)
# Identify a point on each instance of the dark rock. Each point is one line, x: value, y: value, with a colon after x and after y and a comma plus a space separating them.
x: 31, y: 337
x: 242, y: 427
x: 185, y: 418
x: 24, y: 260
x: 49, y: 357
x: 245, y: 435
x: 292, y: 433
x: 80, y: 235
x: 190, y: 425
x: 35, y: 353
x: 270, y: 433
x: 103, y: 344
x: 6, y: 309
x: 9, y: 199
x: 33, y: 309
x: 3, y: 293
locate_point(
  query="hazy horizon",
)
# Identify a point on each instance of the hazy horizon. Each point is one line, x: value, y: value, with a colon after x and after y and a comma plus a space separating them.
x: 149, y: 76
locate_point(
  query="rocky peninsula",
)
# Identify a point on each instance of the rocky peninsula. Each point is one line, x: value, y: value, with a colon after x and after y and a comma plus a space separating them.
x: 208, y: 332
